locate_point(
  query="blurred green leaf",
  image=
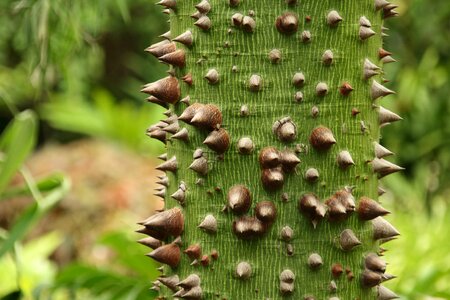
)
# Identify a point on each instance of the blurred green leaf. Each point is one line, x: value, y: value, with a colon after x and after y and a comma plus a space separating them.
x: 29, y: 265
x: 33, y: 213
x: 16, y: 295
x: 131, y: 256
x: 102, y: 283
x: 420, y: 256
x: 123, y: 8
x: 16, y: 143
x: 43, y: 185
x: 104, y: 118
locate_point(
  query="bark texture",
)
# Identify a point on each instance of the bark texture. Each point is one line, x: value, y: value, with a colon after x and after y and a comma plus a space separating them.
x: 282, y: 98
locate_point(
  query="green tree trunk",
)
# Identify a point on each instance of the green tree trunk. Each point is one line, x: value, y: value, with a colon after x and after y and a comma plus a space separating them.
x: 272, y: 157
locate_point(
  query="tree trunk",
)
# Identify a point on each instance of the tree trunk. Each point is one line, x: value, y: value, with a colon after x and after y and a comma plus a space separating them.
x: 273, y: 158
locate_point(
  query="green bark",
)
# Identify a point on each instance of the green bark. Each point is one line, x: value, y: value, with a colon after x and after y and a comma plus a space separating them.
x: 236, y: 55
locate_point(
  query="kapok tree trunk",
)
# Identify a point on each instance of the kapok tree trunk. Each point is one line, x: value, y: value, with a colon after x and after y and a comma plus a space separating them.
x: 273, y: 159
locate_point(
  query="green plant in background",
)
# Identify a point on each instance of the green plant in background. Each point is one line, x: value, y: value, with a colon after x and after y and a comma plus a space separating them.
x: 29, y: 267
x: 103, y: 118
x: 421, y: 255
x: 420, y: 196
x: 127, y: 280
x: 16, y: 143
x: 55, y: 55
x: 272, y: 144
x: 27, y: 271
x: 67, y: 62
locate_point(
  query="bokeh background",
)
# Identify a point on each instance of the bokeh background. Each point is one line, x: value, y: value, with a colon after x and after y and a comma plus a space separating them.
x: 77, y: 171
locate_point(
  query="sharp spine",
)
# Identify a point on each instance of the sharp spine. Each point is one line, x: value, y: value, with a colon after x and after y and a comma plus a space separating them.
x: 363, y: 21
x: 172, y: 4
x: 388, y: 59
x: 239, y: 199
x: 370, y: 69
x: 170, y: 282
x: 374, y: 263
x: 365, y: 33
x: 196, y: 15
x: 321, y: 89
x: 218, y: 140
x: 289, y: 160
x: 255, y: 83
x: 153, y: 99
x: 203, y: 22
x: 204, y: 6
x: 248, y: 24
x: 170, y: 165
x: 248, y: 227
x: 266, y: 212
x: 333, y: 18
x: 243, y: 270
x: 209, y: 224
x: 381, y: 151
x: 386, y: 116
x: 200, y: 165
x: 150, y: 242
x: 176, y: 58
x: 298, y: 80
x: 194, y: 293
x: 383, y: 167
x: 322, y: 138
x: 190, y: 281
x: 172, y: 128
x: 161, y: 194
x: 306, y: 36
x: 183, y: 135
x: 327, y: 57
x: 315, y: 261
x: 161, y: 48
x: 382, y: 229
x: 383, y: 293
x: 212, y: 76
x: 378, y: 90
x: 166, y: 89
x: 369, y: 209
x: 193, y: 251
x: 245, y: 145
x: 169, y: 254
x: 186, y: 38
x: 166, y: 35
x: 379, y: 4
x: 370, y: 278
x: 169, y: 221
x: 348, y: 240
x: 311, y: 174
x: 287, y: 23
x: 344, y: 159
x: 207, y: 116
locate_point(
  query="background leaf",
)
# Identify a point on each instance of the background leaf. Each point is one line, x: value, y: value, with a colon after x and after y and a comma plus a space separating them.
x: 33, y: 213
x: 16, y: 143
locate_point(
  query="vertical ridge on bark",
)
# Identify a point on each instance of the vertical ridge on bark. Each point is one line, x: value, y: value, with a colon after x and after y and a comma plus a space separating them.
x: 242, y: 71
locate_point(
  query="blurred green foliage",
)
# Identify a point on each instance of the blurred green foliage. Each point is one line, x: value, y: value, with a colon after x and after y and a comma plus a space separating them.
x: 74, y: 61
x: 420, y: 196
x: 75, y: 69
x: 77, y: 66
x: 127, y: 278
x: 16, y: 143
